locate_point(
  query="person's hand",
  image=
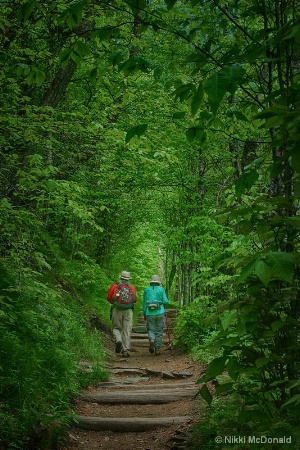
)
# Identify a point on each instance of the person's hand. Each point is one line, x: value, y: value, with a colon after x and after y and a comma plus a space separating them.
x: 145, y: 319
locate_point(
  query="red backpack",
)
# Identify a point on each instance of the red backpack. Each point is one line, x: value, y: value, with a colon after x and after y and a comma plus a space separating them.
x: 124, y: 296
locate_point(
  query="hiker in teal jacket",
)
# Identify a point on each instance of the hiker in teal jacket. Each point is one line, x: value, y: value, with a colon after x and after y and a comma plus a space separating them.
x: 154, y: 312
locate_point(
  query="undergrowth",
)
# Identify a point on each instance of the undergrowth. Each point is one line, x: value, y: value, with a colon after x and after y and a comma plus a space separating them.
x: 221, y: 428
x: 45, y: 332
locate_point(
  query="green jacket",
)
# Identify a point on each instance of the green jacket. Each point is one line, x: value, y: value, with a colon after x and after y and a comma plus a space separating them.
x: 154, y: 293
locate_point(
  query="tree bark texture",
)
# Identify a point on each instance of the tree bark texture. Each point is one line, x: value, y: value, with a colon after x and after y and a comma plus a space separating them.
x: 63, y: 76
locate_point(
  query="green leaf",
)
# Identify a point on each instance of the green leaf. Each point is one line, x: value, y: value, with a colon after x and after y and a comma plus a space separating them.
x: 26, y: 10
x: 136, y: 5
x: 39, y: 76
x: 81, y: 48
x: 117, y: 57
x: 5, y: 203
x: 179, y: 115
x: 295, y: 384
x: 294, y: 401
x: 249, y: 415
x: 247, y: 271
x: 245, y: 182
x: 214, y: 368
x: 282, y: 265
x: 196, y: 134
x: 268, y: 113
x: 106, y: 34
x: 197, y: 99
x: 226, y: 387
x: 295, y: 162
x: 183, y: 92
x: 278, y: 265
x: 231, y: 341
x: 226, y: 80
x: 158, y: 71
x: 260, y: 362
x: 75, y: 56
x: 228, y: 319
x: 233, y: 368
x: 138, y: 130
x: 93, y: 74
x: 238, y: 115
x: 72, y: 15
x: 262, y: 228
x: 277, y: 325
x: 30, y: 78
x: 170, y: 3
x: 75, y: 15
x: 294, y: 221
x: 133, y: 64
x: 263, y: 272
x: 245, y: 226
x: 205, y: 394
x: 65, y: 57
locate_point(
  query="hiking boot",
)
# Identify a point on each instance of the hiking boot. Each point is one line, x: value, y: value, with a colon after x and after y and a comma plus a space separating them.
x: 157, y: 352
x: 125, y: 354
x: 118, y: 347
x: 151, y: 346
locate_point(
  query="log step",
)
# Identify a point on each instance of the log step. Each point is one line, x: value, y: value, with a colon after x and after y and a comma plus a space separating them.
x: 144, y: 342
x: 140, y: 397
x: 139, y: 329
x: 125, y: 425
x: 172, y: 374
x: 137, y: 384
x: 135, y: 335
x: 143, y: 336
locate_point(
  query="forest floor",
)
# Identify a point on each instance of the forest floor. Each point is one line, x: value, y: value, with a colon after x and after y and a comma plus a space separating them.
x: 143, y: 371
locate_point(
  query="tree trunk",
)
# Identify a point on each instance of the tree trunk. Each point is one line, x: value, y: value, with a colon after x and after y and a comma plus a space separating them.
x: 63, y: 76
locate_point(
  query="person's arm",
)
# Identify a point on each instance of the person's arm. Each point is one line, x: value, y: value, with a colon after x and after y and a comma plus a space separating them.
x: 165, y: 298
x: 133, y: 290
x: 111, y: 293
x: 144, y: 304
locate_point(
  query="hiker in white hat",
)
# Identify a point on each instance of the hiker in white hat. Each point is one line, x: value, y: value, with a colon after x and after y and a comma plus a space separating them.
x: 122, y: 297
x: 155, y: 299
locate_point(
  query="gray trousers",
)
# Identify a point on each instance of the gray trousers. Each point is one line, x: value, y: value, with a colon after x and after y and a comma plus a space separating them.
x: 122, y: 320
x: 155, y: 328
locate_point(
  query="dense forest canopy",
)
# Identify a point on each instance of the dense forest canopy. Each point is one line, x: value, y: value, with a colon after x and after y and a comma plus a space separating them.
x: 153, y: 137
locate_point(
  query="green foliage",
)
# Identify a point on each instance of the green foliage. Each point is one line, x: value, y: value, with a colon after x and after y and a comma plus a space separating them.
x: 138, y: 130
x: 257, y: 322
x: 187, y: 330
x: 103, y: 170
x: 219, y: 420
x: 245, y: 182
x: 223, y: 426
x: 205, y: 352
x: 42, y: 343
x: 225, y: 80
x: 258, y: 340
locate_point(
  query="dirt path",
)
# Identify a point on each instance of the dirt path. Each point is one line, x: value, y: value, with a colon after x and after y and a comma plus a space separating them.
x: 147, y: 404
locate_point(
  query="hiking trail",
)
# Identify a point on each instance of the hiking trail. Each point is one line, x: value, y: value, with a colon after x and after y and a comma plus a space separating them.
x: 147, y: 404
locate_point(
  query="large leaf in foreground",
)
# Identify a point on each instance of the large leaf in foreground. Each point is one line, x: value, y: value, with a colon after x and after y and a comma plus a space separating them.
x: 226, y: 80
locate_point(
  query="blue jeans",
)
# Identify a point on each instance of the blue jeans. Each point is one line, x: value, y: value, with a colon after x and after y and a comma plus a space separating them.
x: 155, y: 328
